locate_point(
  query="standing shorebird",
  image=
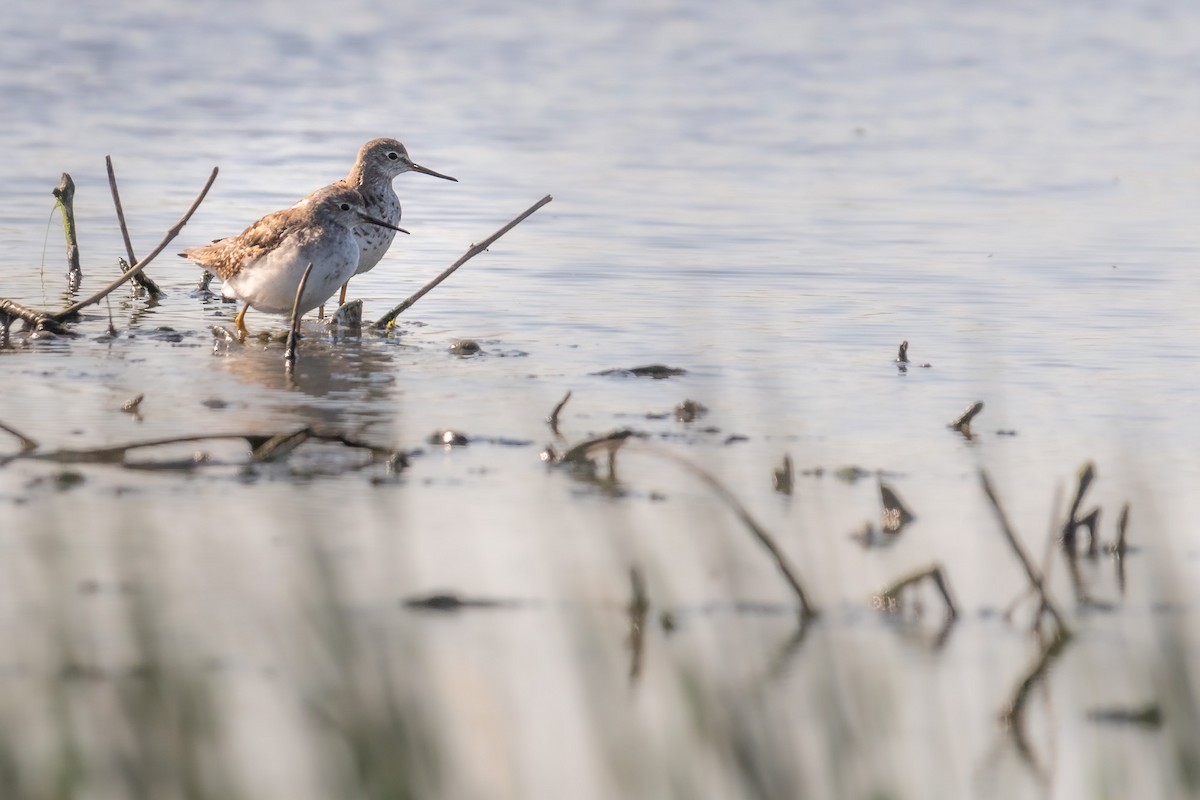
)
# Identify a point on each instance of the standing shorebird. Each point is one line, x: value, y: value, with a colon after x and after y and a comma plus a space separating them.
x: 379, y: 162
x: 263, y: 265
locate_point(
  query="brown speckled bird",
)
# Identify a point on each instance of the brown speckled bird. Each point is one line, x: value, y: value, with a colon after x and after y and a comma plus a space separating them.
x: 263, y: 265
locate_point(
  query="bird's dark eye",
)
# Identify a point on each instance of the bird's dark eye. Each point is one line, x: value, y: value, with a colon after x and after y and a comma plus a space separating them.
x: 394, y: 156
x: 345, y: 206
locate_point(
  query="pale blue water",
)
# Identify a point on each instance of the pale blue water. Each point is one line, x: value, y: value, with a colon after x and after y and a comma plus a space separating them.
x: 772, y: 195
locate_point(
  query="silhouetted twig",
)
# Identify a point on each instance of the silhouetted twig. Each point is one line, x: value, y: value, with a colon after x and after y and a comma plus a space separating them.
x: 67, y: 313
x: 1035, y: 578
x: 141, y: 279
x: 553, y: 418
x: 383, y: 322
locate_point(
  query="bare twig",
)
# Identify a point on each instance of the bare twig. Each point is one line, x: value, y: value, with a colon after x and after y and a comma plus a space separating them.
x: 1035, y: 578
x: 383, y: 322
x: 1091, y: 521
x: 11, y: 312
x: 889, y: 598
x: 64, y: 194
x: 553, y: 418
x: 27, y: 444
x: 614, y: 442
x: 962, y: 423
x: 141, y: 279
x: 67, y: 313
x: 293, y: 339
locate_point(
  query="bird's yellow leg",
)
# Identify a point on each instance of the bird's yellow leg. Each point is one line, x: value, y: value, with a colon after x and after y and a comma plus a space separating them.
x: 240, y: 322
x: 342, y: 298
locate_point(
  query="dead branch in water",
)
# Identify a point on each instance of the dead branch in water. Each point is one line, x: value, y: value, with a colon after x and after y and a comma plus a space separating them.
x: 52, y: 320
x: 612, y: 443
x: 141, y: 265
x: 64, y: 196
x: 1036, y: 579
x: 553, y: 418
x: 387, y: 319
x: 890, y: 598
x: 264, y: 448
x: 141, y: 279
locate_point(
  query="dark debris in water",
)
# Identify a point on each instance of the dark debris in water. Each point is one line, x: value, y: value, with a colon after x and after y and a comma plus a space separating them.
x: 451, y: 601
x: 656, y: 371
x: 465, y: 348
x: 1148, y: 716
x: 452, y: 438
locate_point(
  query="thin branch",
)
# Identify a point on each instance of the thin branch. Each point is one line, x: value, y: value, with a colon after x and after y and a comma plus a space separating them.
x: 387, y: 319
x: 293, y: 339
x: 141, y: 279
x: 610, y: 444
x: 27, y: 444
x: 1035, y: 579
x: 890, y: 597
x: 553, y: 418
x: 59, y: 316
x: 11, y: 311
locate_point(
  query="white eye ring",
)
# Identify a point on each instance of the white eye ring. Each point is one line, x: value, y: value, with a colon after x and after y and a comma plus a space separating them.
x: 394, y: 156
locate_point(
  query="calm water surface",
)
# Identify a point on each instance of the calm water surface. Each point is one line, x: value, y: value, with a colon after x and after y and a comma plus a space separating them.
x: 770, y: 195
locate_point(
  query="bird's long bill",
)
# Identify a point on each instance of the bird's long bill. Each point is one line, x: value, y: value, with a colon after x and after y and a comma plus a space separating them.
x: 418, y: 168
x: 379, y: 222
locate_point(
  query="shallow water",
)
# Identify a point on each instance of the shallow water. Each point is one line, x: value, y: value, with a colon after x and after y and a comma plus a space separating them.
x: 771, y: 196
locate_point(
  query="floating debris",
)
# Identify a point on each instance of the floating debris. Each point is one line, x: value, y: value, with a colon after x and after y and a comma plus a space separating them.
x: 895, y: 515
x: 449, y: 601
x: 851, y: 474
x: 133, y: 404
x: 348, y: 317
x: 783, y: 479
x: 962, y: 423
x: 1148, y: 716
x: 656, y: 371
x: 902, y: 359
x: 448, y: 438
x: 464, y: 348
x: 689, y: 410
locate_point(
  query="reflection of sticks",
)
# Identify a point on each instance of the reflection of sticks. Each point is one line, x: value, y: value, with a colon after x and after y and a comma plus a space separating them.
x: 59, y: 316
x: 64, y: 193
x: 263, y: 448
x: 1013, y: 715
x: 553, y: 418
x: 289, y: 355
x: 889, y: 598
x: 639, y: 605
x: 1035, y: 578
x: 610, y: 445
x: 476, y: 249
x: 141, y: 279
x: 27, y: 444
